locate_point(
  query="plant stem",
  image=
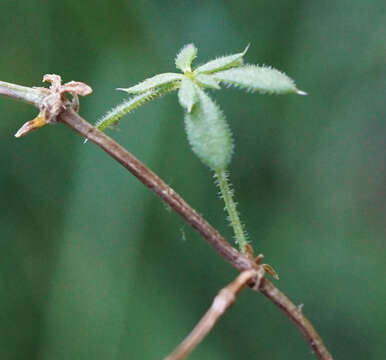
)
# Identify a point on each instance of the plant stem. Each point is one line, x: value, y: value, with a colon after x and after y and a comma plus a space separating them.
x: 238, y: 260
x: 231, y: 207
x: 29, y: 95
x: 224, y: 299
x: 154, y: 183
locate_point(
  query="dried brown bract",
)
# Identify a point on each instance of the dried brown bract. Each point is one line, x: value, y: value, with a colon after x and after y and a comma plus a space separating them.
x: 55, y: 102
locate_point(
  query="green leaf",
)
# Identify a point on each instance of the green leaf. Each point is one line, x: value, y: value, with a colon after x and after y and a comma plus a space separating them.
x: 185, y: 57
x: 115, y: 114
x: 153, y: 83
x: 222, y: 63
x: 257, y: 78
x: 187, y: 94
x: 207, y: 81
x: 208, y: 133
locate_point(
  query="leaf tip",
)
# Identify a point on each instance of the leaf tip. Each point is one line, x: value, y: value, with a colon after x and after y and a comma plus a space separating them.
x: 185, y: 57
x: 246, y: 49
x: 301, y: 92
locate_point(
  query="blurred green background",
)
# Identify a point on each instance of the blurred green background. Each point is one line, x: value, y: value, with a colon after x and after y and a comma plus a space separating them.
x: 94, y: 266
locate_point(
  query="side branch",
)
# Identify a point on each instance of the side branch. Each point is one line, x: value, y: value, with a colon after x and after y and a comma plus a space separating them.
x: 238, y: 260
x: 153, y: 182
x: 225, y: 298
x: 37, y: 96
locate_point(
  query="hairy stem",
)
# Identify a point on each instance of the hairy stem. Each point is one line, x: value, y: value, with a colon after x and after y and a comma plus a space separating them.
x: 238, y: 260
x: 154, y: 183
x: 231, y: 207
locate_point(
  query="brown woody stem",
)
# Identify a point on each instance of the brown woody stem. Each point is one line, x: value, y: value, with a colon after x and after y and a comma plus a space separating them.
x: 224, y: 299
x: 153, y: 182
x: 238, y: 260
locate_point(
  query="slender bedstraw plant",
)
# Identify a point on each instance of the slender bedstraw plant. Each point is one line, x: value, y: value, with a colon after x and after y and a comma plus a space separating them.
x: 211, y: 140
x: 206, y: 128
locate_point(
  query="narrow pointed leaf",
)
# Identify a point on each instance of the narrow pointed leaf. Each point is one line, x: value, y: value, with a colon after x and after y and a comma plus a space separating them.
x: 153, y: 83
x: 187, y: 94
x: 222, y: 63
x: 258, y: 78
x: 115, y: 114
x: 207, y: 81
x: 185, y: 57
x: 208, y: 133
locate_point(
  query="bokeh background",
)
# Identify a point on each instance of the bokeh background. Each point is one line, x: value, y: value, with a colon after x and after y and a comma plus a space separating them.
x: 94, y: 266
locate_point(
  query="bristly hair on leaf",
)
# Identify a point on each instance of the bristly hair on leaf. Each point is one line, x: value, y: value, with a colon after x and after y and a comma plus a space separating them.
x: 154, y: 82
x: 208, y: 132
x: 187, y: 95
x: 228, y: 70
x: 222, y: 63
x: 185, y: 57
x: 116, y: 113
x: 257, y: 78
x: 207, y: 81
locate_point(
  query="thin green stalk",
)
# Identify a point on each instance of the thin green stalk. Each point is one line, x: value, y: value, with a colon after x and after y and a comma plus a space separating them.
x: 230, y: 205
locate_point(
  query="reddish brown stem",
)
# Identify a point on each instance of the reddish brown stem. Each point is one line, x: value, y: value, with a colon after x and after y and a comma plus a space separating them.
x: 224, y: 299
x: 152, y: 181
x: 238, y: 260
